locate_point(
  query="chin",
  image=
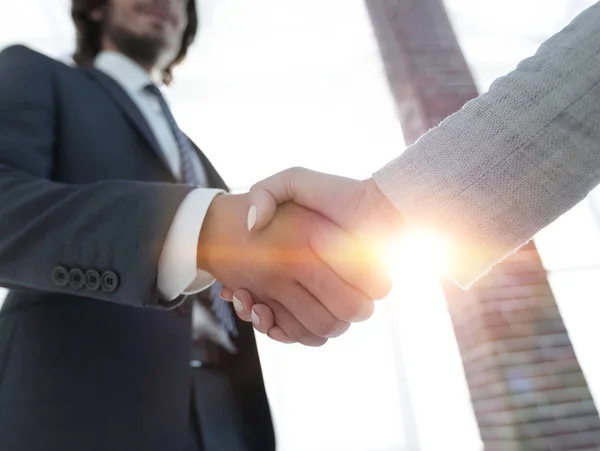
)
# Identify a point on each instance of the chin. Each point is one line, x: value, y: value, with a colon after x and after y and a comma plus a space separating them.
x: 149, y: 33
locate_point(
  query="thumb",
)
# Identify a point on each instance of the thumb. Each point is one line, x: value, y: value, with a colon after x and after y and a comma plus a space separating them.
x: 296, y: 185
x: 263, y: 203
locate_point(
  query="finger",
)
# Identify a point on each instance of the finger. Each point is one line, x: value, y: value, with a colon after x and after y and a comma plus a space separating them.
x: 352, y: 260
x: 311, y: 313
x: 276, y: 333
x: 292, y: 327
x: 262, y: 318
x: 263, y: 207
x: 243, y: 302
x: 314, y: 190
x: 344, y: 301
x: 226, y: 294
x: 263, y: 321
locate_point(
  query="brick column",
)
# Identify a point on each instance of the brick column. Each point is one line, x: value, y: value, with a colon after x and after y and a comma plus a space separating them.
x: 526, y: 385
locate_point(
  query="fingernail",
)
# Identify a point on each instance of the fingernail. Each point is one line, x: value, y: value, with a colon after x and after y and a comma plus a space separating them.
x: 252, y: 216
x: 255, y: 318
x: 237, y: 304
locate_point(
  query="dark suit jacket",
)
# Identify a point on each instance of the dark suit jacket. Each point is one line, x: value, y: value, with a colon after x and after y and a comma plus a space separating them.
x: 90, y: 357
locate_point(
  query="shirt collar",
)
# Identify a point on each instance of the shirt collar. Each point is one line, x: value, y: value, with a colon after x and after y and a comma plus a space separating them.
x: 129, y: 74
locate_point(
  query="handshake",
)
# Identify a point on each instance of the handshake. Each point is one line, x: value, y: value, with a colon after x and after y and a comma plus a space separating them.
x: 300, y: 255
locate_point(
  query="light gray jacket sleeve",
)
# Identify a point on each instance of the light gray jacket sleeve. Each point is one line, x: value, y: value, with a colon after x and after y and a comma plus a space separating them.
x: 512, y: 160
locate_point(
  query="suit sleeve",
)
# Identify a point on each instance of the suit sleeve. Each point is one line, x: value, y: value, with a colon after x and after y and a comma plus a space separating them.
x: 101, y: 240
x: 512, y: 160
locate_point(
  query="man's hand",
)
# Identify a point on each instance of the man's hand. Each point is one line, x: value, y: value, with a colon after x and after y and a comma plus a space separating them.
x: 292, y: 266
x: 358, y: 207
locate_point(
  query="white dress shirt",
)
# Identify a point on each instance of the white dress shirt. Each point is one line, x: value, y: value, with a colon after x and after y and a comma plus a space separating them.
x: 177, y: 266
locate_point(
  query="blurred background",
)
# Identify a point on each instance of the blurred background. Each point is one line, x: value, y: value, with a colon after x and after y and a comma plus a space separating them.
x: 342, y: 86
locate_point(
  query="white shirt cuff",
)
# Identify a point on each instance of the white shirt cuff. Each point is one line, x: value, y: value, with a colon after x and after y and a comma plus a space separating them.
x: 177, y: 266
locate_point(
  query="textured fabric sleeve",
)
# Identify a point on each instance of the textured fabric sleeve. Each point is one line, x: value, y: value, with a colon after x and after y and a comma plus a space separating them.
x: 101, y: 240
x: 512, y: 160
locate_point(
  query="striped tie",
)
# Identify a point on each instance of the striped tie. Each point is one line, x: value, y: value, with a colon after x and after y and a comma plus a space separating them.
x: 189, y: 174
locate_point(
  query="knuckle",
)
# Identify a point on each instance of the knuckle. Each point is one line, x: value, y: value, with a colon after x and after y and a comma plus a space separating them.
x: 386, y: 288
x: 331, y: 328
x: 347, y: 311
x: 369, y: 309
x: 340, y: 328
x: 313, y: 341
x: 382, y: 288
x: 256, y: 187
x: 359, y: 310
x: 295, y: 331
x: 324, y: 327
x: 295, y: 170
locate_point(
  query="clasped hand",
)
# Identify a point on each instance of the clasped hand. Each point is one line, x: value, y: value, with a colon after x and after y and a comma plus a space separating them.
x: 300, y: 253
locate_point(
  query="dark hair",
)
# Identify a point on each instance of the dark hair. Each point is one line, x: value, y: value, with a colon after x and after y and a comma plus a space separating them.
x: 89, y: 34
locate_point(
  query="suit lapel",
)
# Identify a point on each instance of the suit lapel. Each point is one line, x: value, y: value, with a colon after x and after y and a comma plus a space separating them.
x: 129, y: 109
x: 214, y: 179
x: 134, y: 116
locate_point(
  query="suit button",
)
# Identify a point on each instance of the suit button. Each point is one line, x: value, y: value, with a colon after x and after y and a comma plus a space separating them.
x: 93, y: 280
x: 76, y: 280
x: 110, y: 281
x: 60, y: 276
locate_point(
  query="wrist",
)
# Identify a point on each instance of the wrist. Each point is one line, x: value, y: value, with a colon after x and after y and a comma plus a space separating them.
x: 380, y: 202
x: 222, y: 229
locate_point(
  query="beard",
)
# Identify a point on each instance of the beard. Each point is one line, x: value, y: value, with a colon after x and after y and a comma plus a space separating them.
x: 146, y: 50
